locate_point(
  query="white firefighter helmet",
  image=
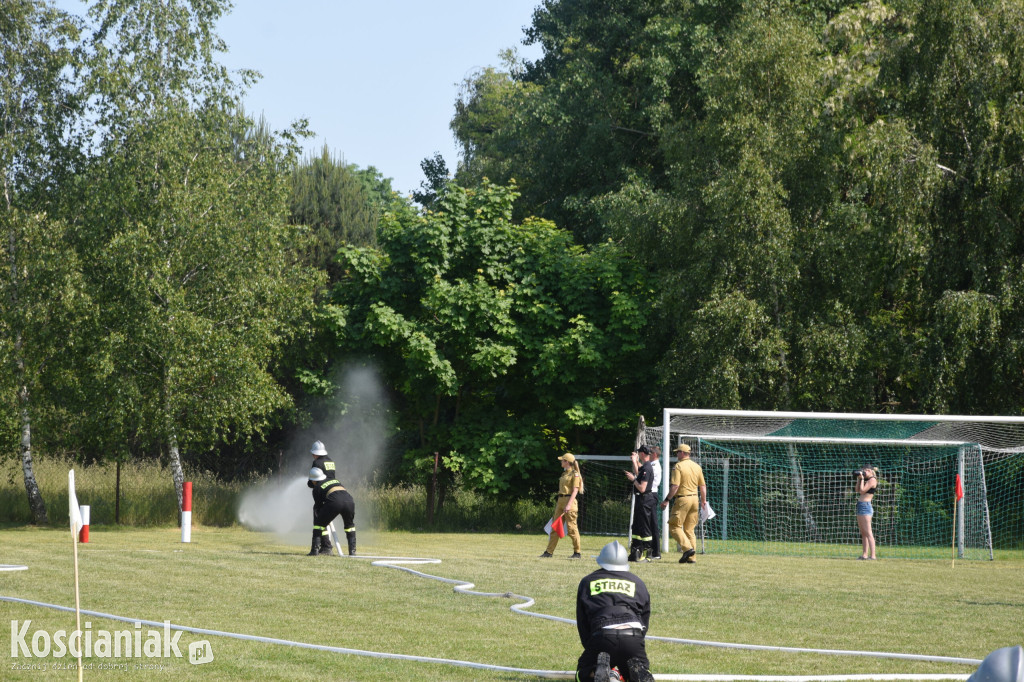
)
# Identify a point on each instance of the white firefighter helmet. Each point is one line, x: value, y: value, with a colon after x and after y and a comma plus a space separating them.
x: 317, y: 474
x: 318, y: 449
x: 613, y: 557
x: 1002, y: 665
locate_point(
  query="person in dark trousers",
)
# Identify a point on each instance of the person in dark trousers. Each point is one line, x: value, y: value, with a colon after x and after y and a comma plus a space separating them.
x: 330, y: 500
x: 642, y: 533
x: 613, y: 612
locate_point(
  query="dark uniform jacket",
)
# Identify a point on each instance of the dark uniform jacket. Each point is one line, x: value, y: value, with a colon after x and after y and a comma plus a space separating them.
x: 645, y: 473
x: 320, y: 488
x: 610, y: 598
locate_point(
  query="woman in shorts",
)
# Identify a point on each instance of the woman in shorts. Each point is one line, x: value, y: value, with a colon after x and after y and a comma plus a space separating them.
x: 867, y: 484
x: 569, y: 486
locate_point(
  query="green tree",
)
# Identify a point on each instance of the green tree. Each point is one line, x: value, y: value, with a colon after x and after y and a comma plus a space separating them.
x: 190, y: 253
x: 964, y: 76
x: 504, y: 342
x: 181, y: 221
x: 436, y: 171
x: 332, y: 200
x: 144, y: 55
x: 831, y: 186
x: 39, y: 288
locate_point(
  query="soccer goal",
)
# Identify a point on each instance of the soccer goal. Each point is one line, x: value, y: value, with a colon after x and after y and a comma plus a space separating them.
x: 782, y: 482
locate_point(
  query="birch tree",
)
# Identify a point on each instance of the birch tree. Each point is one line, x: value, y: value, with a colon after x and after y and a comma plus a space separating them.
x: 39, y: 281
x: 181, y: 221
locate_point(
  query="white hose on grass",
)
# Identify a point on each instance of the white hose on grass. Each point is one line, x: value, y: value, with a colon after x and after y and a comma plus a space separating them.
x: 301, y: 645
x: 465, y: 587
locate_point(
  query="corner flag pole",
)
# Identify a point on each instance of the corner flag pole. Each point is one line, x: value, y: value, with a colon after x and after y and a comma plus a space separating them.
x: 75, y: 518
x: 958, y: 494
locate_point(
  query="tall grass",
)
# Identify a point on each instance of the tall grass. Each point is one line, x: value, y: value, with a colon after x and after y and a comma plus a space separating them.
x: 404, y: 508
x: 148, y: 498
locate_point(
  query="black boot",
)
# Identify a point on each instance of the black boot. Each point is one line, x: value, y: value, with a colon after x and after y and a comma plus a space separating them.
x: 314, y: 549
x: 638, y: 671
x: 603, y: 672
x: 351, y: 536
x: 325, y: 545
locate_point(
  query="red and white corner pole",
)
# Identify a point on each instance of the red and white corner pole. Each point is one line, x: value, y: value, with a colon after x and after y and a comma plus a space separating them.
x: 186, y: 513
x: 83, y: 534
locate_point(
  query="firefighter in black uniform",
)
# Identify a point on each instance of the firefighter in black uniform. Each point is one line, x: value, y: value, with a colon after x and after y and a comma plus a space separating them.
x: 330, y: 500
x: 613, y: 611
x: 641, y: 544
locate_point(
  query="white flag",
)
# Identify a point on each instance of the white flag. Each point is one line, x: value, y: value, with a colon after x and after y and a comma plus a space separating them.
x: 547, y: 527
x: 706, y: 512
x: 74, y: 513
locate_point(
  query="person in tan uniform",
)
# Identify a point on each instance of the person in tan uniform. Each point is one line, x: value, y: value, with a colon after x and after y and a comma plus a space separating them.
x: 688, y: 493
x: 569, y: 486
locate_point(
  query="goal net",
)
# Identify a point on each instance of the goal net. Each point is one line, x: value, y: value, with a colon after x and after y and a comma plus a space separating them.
x: 604, y: 507
x: 782, y: 483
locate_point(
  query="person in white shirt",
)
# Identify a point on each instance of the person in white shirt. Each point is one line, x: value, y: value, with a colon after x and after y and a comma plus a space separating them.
x: 654, y: 457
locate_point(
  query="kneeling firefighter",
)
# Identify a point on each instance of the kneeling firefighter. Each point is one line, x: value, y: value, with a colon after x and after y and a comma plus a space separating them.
x: 613, y: 612
x: 330, y: 499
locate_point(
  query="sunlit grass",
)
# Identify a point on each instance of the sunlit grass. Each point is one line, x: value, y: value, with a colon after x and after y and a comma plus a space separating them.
x: 239, y: 581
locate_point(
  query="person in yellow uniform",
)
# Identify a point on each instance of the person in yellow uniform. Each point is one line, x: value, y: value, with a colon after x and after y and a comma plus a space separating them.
x: 569, y: 486
x: 688, y: 492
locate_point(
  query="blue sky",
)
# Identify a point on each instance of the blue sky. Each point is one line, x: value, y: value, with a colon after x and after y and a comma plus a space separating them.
x: 377, y: 80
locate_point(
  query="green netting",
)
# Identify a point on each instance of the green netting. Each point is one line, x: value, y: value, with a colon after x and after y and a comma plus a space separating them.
x: 780, y: 496
x: 854, y: 428
x: 604, y: 508
x: 782, y: 483
x: 785, y: 486
x: 1004, y: 486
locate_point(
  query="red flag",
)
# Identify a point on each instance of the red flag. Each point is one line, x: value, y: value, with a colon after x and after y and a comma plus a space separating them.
x: 557, y: 526
x: 959, y: 489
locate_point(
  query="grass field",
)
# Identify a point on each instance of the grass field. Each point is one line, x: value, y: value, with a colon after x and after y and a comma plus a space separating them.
x: 239, y: 581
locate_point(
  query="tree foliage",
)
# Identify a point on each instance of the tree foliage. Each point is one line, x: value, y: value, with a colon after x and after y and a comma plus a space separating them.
x: 331, y: 199
x: 190, y: 255
x: 179, y: 219
x: 829, y: 192
x: 505, y: 342
x: 41, y: 299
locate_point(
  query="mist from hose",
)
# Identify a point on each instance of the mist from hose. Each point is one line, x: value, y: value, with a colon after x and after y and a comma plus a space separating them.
x: 356, y: 443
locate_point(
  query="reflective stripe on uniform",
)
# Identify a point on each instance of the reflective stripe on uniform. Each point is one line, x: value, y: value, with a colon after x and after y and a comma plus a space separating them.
x: 626, y: 587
